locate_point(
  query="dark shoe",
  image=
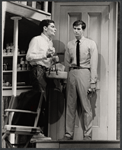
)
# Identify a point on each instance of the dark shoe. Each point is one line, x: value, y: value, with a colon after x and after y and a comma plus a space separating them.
x: 87, y: 138
x: 66, y: 138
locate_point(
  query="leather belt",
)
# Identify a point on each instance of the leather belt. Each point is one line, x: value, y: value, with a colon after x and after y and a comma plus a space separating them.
x: 78, y: 67
x: 43, y: 67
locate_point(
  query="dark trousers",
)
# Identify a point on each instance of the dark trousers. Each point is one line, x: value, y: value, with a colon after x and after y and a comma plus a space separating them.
x: 29, y: 101
x: 38, y: 78
x: 39, y: 83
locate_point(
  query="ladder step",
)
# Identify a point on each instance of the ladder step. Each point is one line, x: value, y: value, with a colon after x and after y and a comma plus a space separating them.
x: 19, y: 110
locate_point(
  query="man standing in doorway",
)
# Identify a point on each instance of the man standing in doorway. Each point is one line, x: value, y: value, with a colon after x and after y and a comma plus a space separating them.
x: 81, y: 60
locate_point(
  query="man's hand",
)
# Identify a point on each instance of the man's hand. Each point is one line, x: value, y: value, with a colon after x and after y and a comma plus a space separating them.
x: 92, y: 89
x: 55, y: 59
x: 50, y: 52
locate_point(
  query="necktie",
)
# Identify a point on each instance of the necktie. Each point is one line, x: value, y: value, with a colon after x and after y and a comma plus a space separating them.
x: 78, y: 53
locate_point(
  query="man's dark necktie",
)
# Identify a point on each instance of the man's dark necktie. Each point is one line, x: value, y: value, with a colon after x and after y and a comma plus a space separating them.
x: 78, y: 53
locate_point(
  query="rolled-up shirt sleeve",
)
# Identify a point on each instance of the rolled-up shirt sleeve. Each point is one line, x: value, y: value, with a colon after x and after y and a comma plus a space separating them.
x: 34, y: 53
x: 94, y: 62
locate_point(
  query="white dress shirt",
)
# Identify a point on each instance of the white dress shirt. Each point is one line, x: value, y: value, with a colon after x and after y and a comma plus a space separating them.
x: 88, y: 56
x: 37, y: 50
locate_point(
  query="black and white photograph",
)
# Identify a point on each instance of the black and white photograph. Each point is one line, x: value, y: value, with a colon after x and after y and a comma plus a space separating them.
x: 60, y: 74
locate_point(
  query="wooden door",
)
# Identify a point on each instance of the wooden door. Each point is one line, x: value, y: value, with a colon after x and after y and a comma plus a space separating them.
x: 97, y: 19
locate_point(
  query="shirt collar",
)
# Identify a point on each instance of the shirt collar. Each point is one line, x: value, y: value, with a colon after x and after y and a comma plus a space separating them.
x: 45, y: 37
x: 80, y: 39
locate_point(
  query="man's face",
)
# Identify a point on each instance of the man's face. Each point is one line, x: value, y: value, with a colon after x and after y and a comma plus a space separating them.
x: 51, y: 29
x: 78, y: 31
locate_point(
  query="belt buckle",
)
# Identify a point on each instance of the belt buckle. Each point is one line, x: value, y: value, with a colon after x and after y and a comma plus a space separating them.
x: 71, y: 68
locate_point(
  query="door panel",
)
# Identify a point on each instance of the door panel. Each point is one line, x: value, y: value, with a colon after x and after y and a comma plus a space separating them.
x: 97, y: 20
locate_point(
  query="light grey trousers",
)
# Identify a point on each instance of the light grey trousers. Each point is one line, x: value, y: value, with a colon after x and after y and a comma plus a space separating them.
x: 78, y: 83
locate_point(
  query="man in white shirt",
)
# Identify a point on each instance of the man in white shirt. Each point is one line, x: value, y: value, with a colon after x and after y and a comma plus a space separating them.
x: 40, y: 54
x: 81, y: 59
x: 40, y: 57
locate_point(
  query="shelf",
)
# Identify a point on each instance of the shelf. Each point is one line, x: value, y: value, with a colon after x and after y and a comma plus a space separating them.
x: 7, y: 87
x: 7, y: 55
x: 8, y: 92
x: 30, y: 17
x: 23, y: 87
x: 27, y: 11
x: 18, y: 87
x: 23, y: 70
x: 22, y: 55
x: 7, y: 71
x: 11, y: 55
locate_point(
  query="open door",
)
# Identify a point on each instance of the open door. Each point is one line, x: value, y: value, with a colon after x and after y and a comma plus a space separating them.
x: 98, y: 17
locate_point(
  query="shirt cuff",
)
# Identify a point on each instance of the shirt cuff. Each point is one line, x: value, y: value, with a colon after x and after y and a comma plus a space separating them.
x: 93, y: 85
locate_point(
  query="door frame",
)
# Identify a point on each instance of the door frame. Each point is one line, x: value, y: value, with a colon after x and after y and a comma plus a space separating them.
x: 112, y: 60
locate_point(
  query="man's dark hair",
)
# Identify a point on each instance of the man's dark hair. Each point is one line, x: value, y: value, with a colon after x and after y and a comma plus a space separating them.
x: 46, y: 23
x: 80, y: 22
